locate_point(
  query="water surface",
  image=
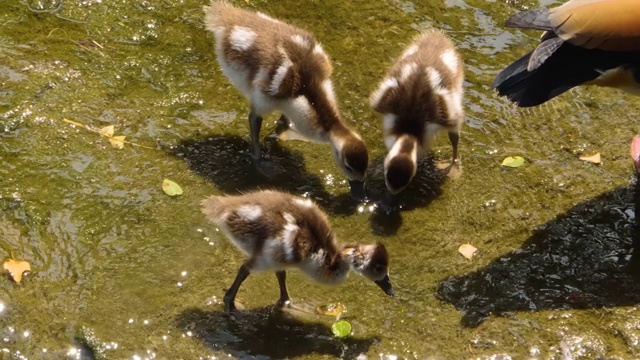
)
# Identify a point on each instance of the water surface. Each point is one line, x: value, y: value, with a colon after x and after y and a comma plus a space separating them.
x: 121, y: 270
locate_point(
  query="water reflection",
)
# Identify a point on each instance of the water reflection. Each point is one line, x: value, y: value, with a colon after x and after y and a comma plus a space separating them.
x: 579, y: 260
x: 422, y: 190
x: 268, y: 333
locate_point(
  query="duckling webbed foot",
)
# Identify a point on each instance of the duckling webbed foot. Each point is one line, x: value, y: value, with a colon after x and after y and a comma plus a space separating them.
x: 265, y: 167
x: 450, y: 169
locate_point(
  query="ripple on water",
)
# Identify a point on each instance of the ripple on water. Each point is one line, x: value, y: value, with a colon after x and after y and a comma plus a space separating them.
x: 107, y: 246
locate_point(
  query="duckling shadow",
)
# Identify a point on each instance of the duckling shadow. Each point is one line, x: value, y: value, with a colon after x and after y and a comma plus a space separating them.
x: 423, y: 189
x: 225, y: 161
x: 268, y: 333
x: 579, y: 260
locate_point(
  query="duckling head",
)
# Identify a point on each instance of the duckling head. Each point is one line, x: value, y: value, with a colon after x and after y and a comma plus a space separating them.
x: 353, y: 159
x: 398, y: 172
x: 372, y: 262
x: 401, y: 164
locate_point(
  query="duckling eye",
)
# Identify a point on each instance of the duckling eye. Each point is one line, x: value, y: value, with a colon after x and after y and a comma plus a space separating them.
x: 348, y: 167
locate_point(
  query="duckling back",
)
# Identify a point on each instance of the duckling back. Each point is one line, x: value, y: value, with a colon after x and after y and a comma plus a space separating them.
x: 275, y: 230
x: 422, y: 91
x: 267, y: 59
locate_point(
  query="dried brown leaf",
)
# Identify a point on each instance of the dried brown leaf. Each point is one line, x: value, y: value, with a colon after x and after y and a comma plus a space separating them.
x: 17, y: 268
x: 467, y: 250
x: 117, y: 141
x: 593, y: 158
x: 107, y: 131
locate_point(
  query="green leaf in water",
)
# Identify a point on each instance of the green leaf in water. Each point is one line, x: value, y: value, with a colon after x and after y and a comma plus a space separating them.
x: 513, y: 161
x: 171, y: 188
x: 341, y: 328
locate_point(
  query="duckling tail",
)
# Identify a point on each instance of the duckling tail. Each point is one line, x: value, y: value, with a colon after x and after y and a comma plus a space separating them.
x: 212, y: 207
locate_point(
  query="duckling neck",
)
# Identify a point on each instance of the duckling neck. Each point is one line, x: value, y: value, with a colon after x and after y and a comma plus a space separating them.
x: 340, y: 134
x: 405, y: 145
x: 329, y: 267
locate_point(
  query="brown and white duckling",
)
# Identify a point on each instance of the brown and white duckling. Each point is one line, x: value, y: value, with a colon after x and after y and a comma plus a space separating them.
x: 282, y: 68
x: 278, y: 231
x: 594, y: 42
x: 420, y: 96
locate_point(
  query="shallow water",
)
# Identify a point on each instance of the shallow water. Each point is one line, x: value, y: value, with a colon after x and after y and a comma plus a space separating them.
x: 121, y: 270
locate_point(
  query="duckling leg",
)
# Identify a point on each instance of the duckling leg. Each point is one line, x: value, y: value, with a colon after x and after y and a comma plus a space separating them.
x: 230, y: 295
x: 284, y: 294
x: 453, y: 138
x: 255, y: 122
x: 454, y: 171
x: 263, y: 166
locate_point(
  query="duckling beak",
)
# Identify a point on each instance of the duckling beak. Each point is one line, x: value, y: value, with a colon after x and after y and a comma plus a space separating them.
x: 388, y: 204
x: 385, y: 285
x: 357, y: 189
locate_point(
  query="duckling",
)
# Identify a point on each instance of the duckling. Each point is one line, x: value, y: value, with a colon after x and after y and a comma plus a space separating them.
x: 279, y: 67
x: 420, y: 96
x: 278, y: 231
x: 593, y: 42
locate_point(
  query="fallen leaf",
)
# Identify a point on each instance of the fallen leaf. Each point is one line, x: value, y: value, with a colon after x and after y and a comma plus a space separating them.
x: 330, y: 309
x: 594, y: 159
x: 171, y: 188
x: 107, y: 131
x: 467, y: 250
x: 513, y: 161
x: 16, y: 268
x: 341, y: 328
x: 117, y: 141
x: 75, y: 123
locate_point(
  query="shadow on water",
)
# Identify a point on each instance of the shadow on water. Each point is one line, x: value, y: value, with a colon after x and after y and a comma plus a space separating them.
x: 268, y: 333
x: 579, y: 260
x: 423, y: 189
x: 225, y: 161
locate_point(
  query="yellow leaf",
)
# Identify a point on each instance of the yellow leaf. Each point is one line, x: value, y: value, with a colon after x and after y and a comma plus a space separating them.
x: 107, y: 131
x: 595, y: 158
x: 74, y: 123
x: 117, y: 141
x: 330, y: 309
x: 171, y: 188
x: 16, y: 268
x: 513, y: 161
x: 467, y: 250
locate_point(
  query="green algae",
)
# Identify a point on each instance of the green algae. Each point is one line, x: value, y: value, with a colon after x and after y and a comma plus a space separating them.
x: 120, y: 269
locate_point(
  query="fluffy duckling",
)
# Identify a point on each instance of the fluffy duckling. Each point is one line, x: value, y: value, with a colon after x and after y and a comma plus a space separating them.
x: 278, y: 231
x: 421, y: 95
x: 279, y: 67
x: 594, y: 42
